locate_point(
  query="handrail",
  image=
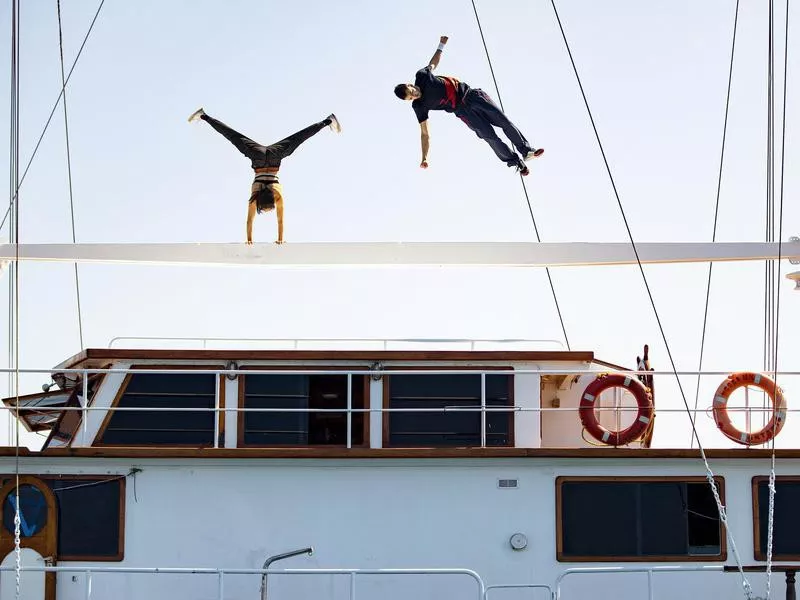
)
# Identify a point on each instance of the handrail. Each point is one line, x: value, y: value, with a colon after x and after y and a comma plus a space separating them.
x: 220, y: 573
x: 515, y: 586
x: 266, y: 370
x: 295, y: 342
x: 649, y: 570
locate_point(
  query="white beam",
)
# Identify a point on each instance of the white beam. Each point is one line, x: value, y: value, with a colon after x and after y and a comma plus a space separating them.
x: 413, y: 254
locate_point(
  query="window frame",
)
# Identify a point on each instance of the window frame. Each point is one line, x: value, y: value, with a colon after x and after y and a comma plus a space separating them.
x: 755, y: 482
x: 240, y: 443
x: 121, y: 478
x: 387, y: 415
x: 220, y: 391
x: 561, y: 557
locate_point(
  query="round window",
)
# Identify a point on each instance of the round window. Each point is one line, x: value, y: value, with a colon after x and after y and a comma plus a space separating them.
x: 32, y: 511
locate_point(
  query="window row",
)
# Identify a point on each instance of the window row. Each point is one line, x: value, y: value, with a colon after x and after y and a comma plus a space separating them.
x: 597, y: 518
x: 311, y: 410
x: 665, y: 519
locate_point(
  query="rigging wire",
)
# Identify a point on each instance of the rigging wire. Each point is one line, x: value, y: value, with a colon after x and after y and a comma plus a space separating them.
x: 524, y: 187
x: 709, y: 474
x: 716, y: 209
x: 14, y: 278
x: 69, y: 171
x: 52, y: 112
x: 772, y: 490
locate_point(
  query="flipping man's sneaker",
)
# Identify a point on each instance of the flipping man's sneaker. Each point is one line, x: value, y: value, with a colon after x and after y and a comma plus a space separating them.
x: 523, y: 170
x: 534, y: 153
x: 196, y: 115
x: 334, y: 125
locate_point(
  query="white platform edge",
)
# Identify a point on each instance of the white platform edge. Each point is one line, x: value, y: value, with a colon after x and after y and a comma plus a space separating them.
x: 404, y: 254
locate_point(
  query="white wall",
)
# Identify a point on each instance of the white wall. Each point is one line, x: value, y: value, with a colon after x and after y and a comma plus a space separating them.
x: 380, y: 513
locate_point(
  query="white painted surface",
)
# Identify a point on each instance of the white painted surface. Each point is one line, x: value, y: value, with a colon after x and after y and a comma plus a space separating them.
x: 380, y: 513
x: 31, y: 582
x: 231, y: 416
x: 353, y: 254
x: 527, y: 394
x: 375, y: 417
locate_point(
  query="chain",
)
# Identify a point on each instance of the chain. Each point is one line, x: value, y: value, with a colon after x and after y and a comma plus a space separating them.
x: 17, y: 542
x: 723, y: 517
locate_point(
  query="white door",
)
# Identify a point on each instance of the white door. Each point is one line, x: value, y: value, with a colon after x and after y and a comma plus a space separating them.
x: 31, y: 582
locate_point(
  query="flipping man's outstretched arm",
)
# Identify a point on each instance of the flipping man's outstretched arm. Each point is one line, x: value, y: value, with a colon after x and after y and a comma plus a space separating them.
x: 434, y: 61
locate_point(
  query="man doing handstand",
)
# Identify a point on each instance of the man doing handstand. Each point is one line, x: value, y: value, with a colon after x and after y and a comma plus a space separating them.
x: 471, y: 105
x: 266, y: 192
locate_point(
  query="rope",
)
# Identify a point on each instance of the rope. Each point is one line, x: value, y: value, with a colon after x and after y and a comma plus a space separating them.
x: 716, y: 210
x: 709, y: 474
x: 52, y: 112
x: 14, y: 279
x: 772, y: 490
x: 524, y: 187
x: 69, y: 171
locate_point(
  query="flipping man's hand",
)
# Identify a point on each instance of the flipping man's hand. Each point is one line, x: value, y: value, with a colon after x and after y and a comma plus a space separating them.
x: 423, y: 164
x: 443, y: 39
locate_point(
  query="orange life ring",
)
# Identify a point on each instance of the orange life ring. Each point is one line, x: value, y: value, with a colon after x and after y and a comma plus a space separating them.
x: 733, y: 382
x: 643, y: 417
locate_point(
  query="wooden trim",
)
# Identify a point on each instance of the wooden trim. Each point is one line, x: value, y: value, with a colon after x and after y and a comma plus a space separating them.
x: 756, y: 481
x: 44, y: 542
x: 61, y: 418
x: 365, y: 355
x: 333, y: 369
x: 559, y: 482
x: 121, y: 392
x: 101, y: 379
x: 387, y: 392
x: 584, y: 454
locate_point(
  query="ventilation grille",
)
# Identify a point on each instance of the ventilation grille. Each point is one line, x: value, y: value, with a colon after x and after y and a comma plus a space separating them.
x: 507, y: 483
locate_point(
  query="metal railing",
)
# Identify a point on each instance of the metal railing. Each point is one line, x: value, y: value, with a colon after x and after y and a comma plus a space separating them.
x: 222, y: 573
x: 83, y: 375
x: 294, y: 343
x: 517, y: 586
x: 649, y: 570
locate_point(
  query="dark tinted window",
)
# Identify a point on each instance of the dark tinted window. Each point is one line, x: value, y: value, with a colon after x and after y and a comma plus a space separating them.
x: 454, y: 427
x: 786, y: 526
x: 89, y: 517
x: 300, y: 428
x: 607, y: 520
x: 166, y: 428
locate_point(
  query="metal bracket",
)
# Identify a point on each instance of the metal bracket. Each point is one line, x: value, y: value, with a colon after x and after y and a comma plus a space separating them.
x: 794, y: 238
x: 376, y: 366
x: 232, y: 366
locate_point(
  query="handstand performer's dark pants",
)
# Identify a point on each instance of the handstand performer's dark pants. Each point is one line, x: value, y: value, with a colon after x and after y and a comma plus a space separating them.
x: 265, y: 156
x: 482, y: 115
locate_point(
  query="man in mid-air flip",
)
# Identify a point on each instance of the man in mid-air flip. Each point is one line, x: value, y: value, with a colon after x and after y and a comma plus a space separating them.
x: 471, y: 105
x: 266, y: 192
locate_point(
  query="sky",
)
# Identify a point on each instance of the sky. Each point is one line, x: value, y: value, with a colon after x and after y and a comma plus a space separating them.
x: 655, y: 75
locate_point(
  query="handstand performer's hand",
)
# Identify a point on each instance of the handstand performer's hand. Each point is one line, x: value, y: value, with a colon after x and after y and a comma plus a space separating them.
x: 423, y: 164
x: 249, y: 242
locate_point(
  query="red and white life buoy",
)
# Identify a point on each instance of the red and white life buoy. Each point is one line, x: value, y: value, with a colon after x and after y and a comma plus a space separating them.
x: 644, y: 416
x: 723, y: 420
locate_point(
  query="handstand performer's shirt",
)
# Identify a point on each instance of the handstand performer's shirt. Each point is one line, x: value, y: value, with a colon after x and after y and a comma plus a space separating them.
x: 438, y: 93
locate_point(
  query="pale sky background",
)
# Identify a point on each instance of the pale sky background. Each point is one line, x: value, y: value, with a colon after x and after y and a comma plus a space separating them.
x: 655, y: 73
